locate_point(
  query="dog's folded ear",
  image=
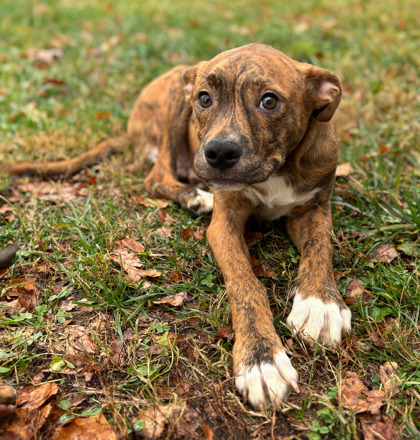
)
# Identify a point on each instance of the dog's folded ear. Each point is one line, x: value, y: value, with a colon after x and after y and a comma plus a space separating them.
x: 323, y: 91
x: 189, y: 79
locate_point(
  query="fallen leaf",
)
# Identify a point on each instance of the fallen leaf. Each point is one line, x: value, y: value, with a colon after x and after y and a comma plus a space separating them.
x: 385, y: 253
x: 262, y: 271
x: 151, y: 203
x: 4, y: 272
x: 112, y: 42
x: 252, y: 238
x: 173, y: 300
x: 103, y: 115
x: 33, y: 397
x: 118, y: 352
x: 41, y: 8
x: 85, y: 428
x: 354, y: 291
x: 44, y: 56
x: 344, y: 169
x: 26, y: 292
x: 199, y: 232
x: 186, y: 234
x: 208, y: 432
x: 78, y: 341
x: 157, y: 418
x: 389, y: 378
x: 176, y: 277
x: 130, y: 264
x: 130, y: 243
x: 5, y: 209
x: 378, y: 427
x: 164, y: 217
x: 164, y: 232
x: 55, y: 81
x: 225, y: 333
x: 356, y: 396
x: 52, y: 190
x: 140, y: 36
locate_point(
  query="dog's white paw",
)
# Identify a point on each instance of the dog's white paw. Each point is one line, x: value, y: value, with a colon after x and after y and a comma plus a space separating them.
x: 202, y: 203
x: 319, y: 320
x: 267, y: 383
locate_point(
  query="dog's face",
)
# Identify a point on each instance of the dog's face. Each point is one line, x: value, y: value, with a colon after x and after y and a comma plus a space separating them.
x: 251, y: 108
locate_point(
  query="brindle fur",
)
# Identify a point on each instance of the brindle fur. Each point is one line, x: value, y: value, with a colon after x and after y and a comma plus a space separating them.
x: 296, y: 142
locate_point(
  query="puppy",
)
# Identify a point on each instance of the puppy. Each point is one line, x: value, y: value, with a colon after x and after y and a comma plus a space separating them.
x: 254, y: 126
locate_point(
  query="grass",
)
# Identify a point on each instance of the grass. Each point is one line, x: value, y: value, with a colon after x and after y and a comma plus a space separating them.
x: 140, y: 352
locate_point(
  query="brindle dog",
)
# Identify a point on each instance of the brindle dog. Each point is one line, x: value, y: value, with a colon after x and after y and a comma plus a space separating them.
x: 253, y: 125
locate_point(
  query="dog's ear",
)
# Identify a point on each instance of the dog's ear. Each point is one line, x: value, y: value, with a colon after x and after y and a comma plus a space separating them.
x: 323, y: 91
x: 189, y: 79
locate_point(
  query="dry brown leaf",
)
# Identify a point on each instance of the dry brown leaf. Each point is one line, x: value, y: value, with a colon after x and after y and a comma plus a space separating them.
x: 118, y: 352
x: 78, y: 341
x: 354, y: 291
x: 46, y: 56
x: 151, y: 203
x: 252, y: 238
x: 26, y: 292
x: 86, y: 428
x: 56, y: 191
x: 356, y: 396
x: 208, y: 432
x: 225, y: 333
x: 157, y: 418
x: 186, y: 234
x: 6, y: 208
x: 129, y: 243
x: 22, y: 425
x: 176, y: 277
x: 33, y: 397
x: 378, y: 427
x: 173, y: 300
x: 344, y: 169
x: 164, y: 217
x: 130, y: 263
x: 262, y: 271
x: 112, y: 42
x: 3, y: 272
x: 164, y: 232
x: 389, y: 378
x: 199, y: 232
x: 385, y: 253
x: 103, y: 115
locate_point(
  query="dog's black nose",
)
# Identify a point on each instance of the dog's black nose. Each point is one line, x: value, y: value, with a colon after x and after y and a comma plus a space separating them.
x: 222, y: 153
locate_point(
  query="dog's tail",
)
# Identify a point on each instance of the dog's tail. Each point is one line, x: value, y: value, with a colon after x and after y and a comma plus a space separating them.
x: 70, y: 167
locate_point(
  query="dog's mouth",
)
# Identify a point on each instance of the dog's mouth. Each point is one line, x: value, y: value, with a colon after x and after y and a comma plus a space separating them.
x: 236, y: 185
x: 227, y: 184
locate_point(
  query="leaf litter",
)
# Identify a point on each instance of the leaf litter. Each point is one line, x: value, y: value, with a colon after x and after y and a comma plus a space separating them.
x: 129, y: 261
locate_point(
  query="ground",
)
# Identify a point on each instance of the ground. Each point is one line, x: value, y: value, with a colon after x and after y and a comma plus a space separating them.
x: 91, y: 331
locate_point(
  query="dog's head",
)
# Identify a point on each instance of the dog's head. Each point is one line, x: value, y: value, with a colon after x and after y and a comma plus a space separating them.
x: 251, y: 108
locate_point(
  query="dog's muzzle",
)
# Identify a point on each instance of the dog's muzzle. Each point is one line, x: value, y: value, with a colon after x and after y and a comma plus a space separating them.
x: 222, y: 153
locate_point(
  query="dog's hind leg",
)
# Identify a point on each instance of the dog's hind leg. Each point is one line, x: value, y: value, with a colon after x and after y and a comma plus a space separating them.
x: 162, y: 182
x: 161, y: 117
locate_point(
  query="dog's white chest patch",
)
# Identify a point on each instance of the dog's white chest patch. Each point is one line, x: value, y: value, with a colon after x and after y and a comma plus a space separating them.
x: 275, y: 198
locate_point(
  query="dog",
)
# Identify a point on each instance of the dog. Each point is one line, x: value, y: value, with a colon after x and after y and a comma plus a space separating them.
x: 255, y: 127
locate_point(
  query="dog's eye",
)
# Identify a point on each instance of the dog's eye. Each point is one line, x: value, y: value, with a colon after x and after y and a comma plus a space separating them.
x: 204, y: 100
x: 269, y: 101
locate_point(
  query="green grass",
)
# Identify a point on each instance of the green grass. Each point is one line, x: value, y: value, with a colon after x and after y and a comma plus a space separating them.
x: 173, y: 355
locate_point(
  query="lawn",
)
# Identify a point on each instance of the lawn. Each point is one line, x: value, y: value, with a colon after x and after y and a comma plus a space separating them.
x: 87, y: 342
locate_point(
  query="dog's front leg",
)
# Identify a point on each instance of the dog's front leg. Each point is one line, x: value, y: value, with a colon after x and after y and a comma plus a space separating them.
x: 262, y: 369
x: 318, y: 308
